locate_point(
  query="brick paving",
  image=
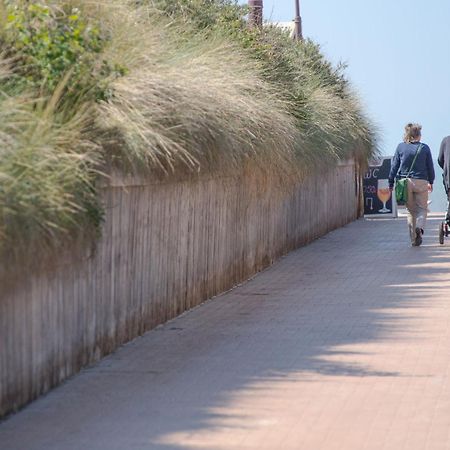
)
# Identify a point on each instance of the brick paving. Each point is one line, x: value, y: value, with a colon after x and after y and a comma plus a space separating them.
x: 343, y: 344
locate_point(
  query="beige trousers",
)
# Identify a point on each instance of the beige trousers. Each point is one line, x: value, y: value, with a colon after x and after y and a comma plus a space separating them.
x: 417, y: 205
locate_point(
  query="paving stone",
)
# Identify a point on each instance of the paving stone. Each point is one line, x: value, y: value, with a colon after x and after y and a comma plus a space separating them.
x: 341, y: 345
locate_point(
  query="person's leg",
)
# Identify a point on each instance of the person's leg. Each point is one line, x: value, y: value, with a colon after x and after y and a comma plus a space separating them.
x: 421, y: 197
x: 447, y: 217
x: 411, y: 209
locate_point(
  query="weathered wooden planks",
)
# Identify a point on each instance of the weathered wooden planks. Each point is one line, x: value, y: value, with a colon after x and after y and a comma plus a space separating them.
x: 165, y: 248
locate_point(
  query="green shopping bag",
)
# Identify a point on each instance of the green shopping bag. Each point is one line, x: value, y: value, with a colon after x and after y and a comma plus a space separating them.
x: 401, y: 191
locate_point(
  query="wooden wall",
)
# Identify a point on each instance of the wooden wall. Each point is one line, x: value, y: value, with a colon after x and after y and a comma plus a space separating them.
x: 165, y: 248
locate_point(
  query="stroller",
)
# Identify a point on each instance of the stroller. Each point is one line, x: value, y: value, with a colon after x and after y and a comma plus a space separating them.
x: 444, y: 226
x: 444, y: 231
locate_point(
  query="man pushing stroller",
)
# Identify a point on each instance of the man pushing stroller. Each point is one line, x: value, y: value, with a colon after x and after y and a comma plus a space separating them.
x: 444, y: 163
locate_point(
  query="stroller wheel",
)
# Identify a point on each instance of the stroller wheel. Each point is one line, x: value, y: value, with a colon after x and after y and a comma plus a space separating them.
x: 442, y: 230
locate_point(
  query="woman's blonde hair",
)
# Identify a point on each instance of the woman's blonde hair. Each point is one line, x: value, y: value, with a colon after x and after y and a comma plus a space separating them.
x: 413, y: 131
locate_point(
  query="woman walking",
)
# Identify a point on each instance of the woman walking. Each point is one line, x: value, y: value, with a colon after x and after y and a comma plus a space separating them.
x: 413, y: 160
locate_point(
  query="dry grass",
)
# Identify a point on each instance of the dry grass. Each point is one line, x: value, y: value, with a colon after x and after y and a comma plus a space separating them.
x: 46, y: 173
x: 194, y: 103
x: 187, y: 103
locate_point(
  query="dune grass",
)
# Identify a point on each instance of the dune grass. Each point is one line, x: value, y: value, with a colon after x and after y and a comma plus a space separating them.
x: 47, y: 174
x: 198, y: 106
x: 156, y: 87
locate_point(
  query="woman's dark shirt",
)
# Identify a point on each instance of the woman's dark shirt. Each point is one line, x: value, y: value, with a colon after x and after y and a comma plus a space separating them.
x: 404, y: 156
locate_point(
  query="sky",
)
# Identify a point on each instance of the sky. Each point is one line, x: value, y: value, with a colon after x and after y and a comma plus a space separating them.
x: 398, y: 56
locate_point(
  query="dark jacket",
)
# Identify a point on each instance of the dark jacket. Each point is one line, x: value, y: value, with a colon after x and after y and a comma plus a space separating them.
x: 423, y: 168
x: 444, y: 160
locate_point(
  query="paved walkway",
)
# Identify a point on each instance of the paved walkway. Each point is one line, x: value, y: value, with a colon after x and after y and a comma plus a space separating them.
x: 344, y: 344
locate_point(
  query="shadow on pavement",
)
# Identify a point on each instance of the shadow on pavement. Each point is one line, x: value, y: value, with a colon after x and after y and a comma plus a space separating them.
x: 313, y: 317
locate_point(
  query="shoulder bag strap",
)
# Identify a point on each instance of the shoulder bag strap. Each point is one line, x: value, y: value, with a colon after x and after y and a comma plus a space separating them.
x: 414, y: 160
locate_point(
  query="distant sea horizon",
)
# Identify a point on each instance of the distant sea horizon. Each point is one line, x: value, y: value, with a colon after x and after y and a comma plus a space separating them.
x: 438, y: 197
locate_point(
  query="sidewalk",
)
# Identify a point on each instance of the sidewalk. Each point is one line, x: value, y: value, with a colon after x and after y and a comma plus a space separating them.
x: 344, y: 344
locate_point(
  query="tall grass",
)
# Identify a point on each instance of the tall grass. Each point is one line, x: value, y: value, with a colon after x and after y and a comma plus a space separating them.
x: 47, y: 174
x: 199, y: 106
x: 327, y: 111
x: 164, y: 93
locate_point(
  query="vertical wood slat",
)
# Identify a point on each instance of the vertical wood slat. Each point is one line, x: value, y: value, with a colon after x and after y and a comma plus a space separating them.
x: 164, y: 248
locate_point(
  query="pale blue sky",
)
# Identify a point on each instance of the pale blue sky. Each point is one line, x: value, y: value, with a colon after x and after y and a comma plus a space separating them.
x: 398, y: 53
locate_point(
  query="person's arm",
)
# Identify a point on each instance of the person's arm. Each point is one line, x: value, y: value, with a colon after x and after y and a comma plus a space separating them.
x: 430, y: 167
x: 394, y: 168
x: 441, y: 153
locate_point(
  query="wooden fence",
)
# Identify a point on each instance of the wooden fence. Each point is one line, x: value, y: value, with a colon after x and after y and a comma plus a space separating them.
x: 165, y: 248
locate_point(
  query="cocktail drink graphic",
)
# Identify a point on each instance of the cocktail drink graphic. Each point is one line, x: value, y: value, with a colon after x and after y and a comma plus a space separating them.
x: 384, y: 194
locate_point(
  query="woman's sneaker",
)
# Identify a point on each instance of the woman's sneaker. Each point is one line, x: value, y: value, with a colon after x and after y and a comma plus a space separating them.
x: 418, y: 238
